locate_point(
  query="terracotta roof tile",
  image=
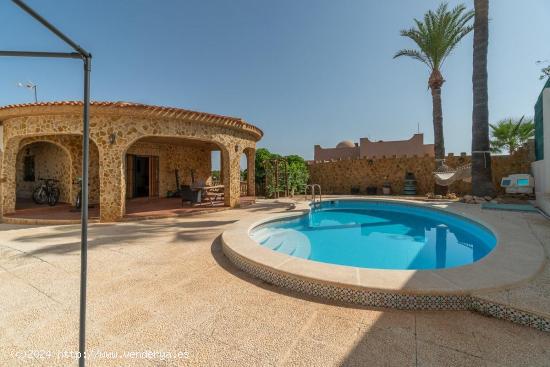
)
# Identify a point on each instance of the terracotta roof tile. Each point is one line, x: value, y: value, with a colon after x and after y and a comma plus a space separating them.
x: 228, y: 120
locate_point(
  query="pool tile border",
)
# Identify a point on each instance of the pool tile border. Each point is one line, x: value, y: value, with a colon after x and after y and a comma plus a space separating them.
x: 387, y: 299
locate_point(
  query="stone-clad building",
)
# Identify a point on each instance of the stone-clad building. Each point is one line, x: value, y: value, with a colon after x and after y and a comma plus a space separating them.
x: 135, y: 150
x: 371, y: 149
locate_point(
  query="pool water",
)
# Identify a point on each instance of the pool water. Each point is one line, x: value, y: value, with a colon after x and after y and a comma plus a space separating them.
x: 378, y: 235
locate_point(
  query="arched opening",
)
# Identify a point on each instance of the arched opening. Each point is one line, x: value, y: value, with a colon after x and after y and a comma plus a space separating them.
x: 244, y: 175
x: 38, y: 161
x: 167, y: 175
x: 248, y: 175
x: 57, y: 158
x: 217, y: 172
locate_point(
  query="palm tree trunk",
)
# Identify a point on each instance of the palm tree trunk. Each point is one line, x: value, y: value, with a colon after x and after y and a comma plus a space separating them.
x: 482, y: 178
x: 435, y: 83
x: 439, y: 142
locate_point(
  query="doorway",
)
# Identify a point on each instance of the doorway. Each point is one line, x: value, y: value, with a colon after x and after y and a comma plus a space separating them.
x: 142, y: 176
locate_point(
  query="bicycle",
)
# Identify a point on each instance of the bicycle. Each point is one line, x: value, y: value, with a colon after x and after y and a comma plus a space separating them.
x: 46, y: 192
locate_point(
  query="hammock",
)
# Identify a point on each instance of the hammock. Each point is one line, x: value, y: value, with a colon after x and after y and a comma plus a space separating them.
x: 445, y: 176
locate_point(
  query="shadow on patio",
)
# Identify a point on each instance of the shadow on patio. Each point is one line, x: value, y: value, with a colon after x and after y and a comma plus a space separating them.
x: 66, y: 238
x: 136, y: 209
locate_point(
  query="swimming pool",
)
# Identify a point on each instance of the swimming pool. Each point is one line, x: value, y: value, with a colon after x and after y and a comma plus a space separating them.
x: 378, y: 235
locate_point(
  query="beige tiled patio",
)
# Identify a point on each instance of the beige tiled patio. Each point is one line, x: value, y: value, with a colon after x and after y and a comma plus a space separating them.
x: 165, y: 286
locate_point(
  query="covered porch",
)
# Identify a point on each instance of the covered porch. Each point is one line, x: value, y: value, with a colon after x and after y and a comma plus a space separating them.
x: 137, y: 151
x: 167, y: 175
x: 163, y: 176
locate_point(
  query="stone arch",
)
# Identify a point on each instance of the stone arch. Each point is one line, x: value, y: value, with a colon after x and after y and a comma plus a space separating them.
x: 189, y: 155
x: 114, y: 167
x: 49, y: 162
x: 71, y: 144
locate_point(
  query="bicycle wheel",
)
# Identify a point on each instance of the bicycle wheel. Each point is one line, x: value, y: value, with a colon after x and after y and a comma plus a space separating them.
x: 53, y: 198
x: 39, y: 195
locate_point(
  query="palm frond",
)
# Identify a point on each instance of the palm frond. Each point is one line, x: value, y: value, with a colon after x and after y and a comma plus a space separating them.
x: 414, y: 54
x: 510, y: 134
x: 438, y: 33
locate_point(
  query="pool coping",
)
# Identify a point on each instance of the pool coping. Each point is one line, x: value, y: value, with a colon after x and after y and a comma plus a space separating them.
x: 516, y: 259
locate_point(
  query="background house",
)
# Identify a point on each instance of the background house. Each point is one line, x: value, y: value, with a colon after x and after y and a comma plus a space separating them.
x: 371, y: 149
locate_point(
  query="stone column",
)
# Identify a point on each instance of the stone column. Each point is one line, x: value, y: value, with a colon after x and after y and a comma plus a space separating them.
x: 221, y: 167
x: 251, y: 170
x: 231, y: 167
x: 8, y: 178
x: 112, y: 185
x: 1, y: 185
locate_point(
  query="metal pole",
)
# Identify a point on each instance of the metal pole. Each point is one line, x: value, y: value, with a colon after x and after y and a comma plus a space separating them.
x: 35, y: 95
x: 61, y: 55
x: 87, y: 58
x: 84, y: 208
x: 51, y: 27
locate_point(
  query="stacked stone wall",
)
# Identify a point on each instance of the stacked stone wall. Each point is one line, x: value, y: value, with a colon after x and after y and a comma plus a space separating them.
x: 339, y: 177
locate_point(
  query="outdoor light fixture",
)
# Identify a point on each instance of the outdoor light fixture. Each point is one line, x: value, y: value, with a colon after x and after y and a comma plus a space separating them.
x: 31, y: 86
x: 112, y: 138
x: 237, y: 148
x: 86, y: 57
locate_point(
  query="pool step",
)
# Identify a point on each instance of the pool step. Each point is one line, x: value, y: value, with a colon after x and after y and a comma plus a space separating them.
x: 287, y: 247
x: 284, y: 241
x: 302, y: 250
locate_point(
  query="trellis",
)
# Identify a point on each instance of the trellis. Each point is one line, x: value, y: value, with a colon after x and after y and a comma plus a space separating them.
x: 276, y: 177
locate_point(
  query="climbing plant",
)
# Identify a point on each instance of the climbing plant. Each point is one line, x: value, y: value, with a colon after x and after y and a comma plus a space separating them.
x: 276, y: 174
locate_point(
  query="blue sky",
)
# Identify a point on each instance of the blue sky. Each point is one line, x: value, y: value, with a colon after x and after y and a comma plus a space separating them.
x: 306, y: 72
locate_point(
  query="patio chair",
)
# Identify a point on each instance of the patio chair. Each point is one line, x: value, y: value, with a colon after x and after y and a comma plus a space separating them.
x: 189, y: 195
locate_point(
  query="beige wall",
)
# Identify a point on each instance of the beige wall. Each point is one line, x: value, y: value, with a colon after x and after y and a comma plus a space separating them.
x: 326, y: 154
x: 376, y: 149
x: 338, y: 177
x: 413, y: 146
x: 176, y: 156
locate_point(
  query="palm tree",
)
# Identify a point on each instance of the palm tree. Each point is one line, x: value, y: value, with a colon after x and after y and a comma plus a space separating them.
x: 436, y: 37
x: 482, y: 177
x: 510, y: 134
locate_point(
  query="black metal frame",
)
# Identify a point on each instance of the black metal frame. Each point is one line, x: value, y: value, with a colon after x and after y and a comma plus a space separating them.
x: 86, y: 57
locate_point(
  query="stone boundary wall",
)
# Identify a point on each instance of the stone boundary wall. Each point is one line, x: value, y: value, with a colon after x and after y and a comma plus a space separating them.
x: 339, y: 177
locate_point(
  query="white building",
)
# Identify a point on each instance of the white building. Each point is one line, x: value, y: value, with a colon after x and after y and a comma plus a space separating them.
x: 541, y: 166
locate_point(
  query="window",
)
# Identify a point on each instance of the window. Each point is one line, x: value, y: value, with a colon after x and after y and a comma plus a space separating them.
x: 28, y: 168
x: 523, y: 182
